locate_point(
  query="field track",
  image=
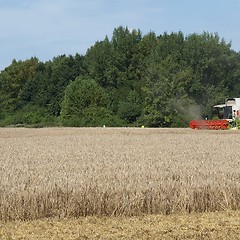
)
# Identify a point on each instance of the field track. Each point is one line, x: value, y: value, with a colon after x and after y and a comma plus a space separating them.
x: 199, y: 226
x: 66, y: 173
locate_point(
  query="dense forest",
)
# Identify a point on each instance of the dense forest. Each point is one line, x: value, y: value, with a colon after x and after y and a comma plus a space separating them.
x: 128, y: 79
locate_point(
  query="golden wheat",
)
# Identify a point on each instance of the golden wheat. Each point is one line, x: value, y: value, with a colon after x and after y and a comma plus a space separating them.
x: 72, y: 172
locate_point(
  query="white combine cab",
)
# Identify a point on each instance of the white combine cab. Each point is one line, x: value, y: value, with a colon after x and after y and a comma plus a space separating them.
x: 230, y: 110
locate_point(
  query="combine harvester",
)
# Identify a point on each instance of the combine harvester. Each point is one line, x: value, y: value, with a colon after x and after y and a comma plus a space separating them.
x: 227, y: 113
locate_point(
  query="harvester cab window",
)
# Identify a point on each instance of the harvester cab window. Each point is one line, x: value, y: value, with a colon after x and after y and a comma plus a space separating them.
x: 220, y: 112
x: 224, y: 112
x: 228, y: 112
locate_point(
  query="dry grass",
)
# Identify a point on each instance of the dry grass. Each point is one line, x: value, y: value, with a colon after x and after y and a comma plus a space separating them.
x: 201, y: 226
x: 72, y: 172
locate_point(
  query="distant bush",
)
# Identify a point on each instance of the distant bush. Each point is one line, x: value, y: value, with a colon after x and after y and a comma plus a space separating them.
x: 93, y: 117
x: 31, y: 116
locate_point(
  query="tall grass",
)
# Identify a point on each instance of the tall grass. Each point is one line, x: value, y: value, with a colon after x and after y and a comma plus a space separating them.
x: 72, y: 172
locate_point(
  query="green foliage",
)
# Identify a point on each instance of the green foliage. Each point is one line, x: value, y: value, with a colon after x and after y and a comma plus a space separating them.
x: 130, y: 109
x: 30, y: 116
x: 94, y: 117
x: 80, y: 96
x: 118, y: 65
x: 12, y: 80
x: 126, y: 80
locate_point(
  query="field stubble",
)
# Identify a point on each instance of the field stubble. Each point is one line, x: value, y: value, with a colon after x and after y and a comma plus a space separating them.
x: 75, y: 172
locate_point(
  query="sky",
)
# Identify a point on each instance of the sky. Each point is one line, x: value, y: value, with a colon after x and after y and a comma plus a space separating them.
x: 48, y: 28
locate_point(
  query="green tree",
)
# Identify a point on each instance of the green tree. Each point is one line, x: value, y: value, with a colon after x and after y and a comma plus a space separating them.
x: 130, y: 109
x: 214, y: 66
x: 46, y: 88
x: 99, y: 63
x: 80, y: 96
x: 12, y: 81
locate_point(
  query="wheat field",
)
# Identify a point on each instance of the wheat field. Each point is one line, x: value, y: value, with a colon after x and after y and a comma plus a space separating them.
x: 78, y: 172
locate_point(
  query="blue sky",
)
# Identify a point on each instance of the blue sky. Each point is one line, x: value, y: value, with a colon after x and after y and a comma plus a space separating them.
x: 48, y: 28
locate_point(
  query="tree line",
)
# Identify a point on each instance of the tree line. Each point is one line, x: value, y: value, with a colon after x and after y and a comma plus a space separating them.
x: 129, y: 79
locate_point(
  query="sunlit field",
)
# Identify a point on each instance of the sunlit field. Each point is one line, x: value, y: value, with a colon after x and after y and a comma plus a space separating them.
x: 62, y: 174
